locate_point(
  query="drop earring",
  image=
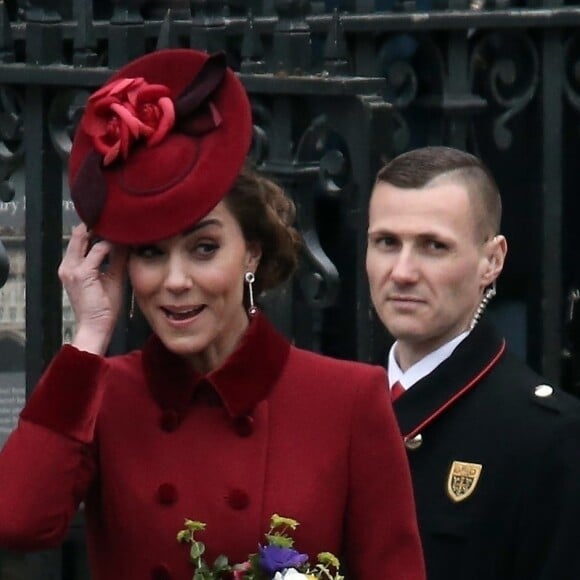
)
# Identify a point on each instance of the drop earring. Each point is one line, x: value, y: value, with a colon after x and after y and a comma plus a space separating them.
x: 132, y: 306
x: 488, y: 295
x: 250, y: 279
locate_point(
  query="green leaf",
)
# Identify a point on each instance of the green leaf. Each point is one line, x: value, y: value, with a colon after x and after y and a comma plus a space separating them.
x: 194, y: 525
x: 280, y: 541
x: 221, y: 562
x: 203, y: 573
x: 277, y: 521
x: 197, y: 549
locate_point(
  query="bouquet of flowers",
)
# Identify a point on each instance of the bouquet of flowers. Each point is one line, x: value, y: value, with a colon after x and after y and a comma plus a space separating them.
x: 276, y: 560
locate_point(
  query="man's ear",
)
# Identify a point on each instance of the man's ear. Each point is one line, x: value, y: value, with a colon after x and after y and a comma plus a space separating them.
x: 496, y: 252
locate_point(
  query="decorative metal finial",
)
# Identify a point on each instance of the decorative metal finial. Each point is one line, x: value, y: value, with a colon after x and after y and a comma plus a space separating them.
x: 252, y: 48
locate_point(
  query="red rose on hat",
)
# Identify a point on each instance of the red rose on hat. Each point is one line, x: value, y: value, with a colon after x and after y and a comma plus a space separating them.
x: 125, y: 111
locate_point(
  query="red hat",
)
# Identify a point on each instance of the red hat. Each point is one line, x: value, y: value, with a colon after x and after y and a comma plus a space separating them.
x: 159, y: 146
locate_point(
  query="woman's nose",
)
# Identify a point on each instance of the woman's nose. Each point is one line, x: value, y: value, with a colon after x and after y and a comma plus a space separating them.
x: 177, y: 275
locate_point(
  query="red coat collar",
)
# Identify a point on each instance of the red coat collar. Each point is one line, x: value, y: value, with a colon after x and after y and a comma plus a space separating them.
x: 245, y: 378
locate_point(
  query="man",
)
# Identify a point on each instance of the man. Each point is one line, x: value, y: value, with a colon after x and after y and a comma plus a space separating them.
x: 494, y: 452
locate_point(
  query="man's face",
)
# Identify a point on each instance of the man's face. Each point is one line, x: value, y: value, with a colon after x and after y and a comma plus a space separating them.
x: 427, y: 262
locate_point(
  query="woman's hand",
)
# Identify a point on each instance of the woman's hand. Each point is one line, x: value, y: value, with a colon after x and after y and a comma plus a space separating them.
x: 95, y: 291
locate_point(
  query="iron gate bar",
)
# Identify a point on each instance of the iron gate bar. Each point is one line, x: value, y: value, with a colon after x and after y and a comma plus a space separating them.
x: 311, y: 85
x: 552, y: 201
x: 376, y: 22
x: 54, y: 74
x: 452, y: 19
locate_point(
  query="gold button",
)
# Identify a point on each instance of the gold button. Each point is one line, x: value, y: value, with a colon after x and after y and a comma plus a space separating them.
x: 413, y: 443
x: 543, y: 391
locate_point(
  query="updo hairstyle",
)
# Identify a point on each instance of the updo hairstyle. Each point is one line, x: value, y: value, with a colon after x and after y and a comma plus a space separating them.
x: 266, y: 215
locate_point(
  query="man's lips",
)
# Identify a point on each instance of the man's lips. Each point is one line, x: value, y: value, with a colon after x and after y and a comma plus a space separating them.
x: 403, y: 298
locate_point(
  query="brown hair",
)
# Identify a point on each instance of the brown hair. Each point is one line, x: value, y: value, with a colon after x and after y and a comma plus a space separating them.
x: 419, y: 167
x: 266, y: 215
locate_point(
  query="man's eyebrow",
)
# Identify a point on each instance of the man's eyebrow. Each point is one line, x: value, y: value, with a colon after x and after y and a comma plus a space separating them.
x: 379, y: 230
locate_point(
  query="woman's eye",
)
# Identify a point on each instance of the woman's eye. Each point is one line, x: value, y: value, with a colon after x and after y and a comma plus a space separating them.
x: 147, y: 252
x: 206, y: 249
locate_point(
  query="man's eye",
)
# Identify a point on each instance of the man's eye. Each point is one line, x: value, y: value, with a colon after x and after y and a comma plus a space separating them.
x: 386, y: 241
x: 436, y: 245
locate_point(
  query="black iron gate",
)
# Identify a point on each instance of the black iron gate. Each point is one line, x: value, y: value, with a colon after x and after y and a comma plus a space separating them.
x: 336, y: 86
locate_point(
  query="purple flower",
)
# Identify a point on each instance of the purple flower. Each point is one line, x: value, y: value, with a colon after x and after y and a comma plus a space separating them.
x: 275, y: 558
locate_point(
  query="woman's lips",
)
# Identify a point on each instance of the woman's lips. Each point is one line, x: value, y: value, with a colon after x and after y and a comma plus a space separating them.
x: 182, y: 313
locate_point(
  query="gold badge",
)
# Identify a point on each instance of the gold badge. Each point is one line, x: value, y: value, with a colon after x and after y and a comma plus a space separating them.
x: 462, y: 480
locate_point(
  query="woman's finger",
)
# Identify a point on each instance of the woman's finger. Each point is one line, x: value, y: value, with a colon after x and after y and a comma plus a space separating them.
x: 118, y: 262
x: 79, y: 239
x: 97, y: 255
x: 77, y: 245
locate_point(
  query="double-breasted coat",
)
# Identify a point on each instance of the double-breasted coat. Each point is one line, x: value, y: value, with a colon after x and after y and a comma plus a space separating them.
x: 146, y: 443
x: 495, y: 461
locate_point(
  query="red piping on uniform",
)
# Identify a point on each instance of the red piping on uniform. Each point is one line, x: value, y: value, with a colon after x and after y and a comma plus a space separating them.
x: 460, y: 393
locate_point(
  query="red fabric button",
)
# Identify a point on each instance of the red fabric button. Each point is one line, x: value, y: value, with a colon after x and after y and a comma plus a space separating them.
x: 238, y: 499
x: 160, y: 572
x: 169, y: 421
x: 166, y: 494
x: 244, y: 425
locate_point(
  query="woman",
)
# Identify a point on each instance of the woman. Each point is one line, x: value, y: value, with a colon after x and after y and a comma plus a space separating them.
x: 218, y: 418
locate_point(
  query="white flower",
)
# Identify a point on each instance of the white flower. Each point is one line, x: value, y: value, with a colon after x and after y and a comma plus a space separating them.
x: 290, y: 574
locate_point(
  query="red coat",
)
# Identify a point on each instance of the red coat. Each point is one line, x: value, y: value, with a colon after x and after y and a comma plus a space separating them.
x: 145, y: 444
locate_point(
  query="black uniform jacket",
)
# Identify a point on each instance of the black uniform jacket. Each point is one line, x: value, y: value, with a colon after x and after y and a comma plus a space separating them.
x: 496, y: 468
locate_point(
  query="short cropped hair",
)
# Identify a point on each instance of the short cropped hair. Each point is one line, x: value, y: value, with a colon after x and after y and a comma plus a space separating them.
x: 419, y: 167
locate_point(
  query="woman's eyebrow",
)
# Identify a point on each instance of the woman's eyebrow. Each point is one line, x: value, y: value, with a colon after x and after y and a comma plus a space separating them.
x: 202, y: 224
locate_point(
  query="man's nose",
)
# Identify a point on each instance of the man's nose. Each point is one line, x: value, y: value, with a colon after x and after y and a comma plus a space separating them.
x: 405, y: 267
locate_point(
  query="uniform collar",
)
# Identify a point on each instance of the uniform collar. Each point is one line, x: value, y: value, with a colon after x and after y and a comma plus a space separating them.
x: 422, y: 367
x: 246, y: 377
x: 475, y: 356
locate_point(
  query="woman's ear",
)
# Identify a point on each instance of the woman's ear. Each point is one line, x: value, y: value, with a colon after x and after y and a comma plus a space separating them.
x: 253, y: 255
x: 496, y: 252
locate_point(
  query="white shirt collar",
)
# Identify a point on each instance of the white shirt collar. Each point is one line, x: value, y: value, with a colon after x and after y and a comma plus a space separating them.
x: 422, y: 367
